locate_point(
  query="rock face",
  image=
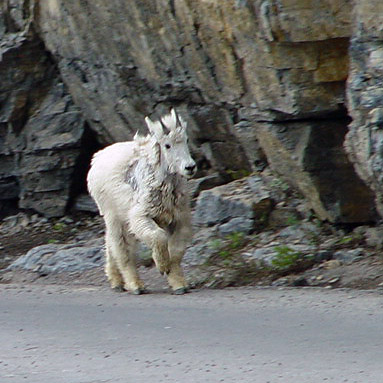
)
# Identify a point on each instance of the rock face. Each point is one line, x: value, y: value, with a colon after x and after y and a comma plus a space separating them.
x: 247, y: 76
x: 40, y: 127
x: 365, y: 94
x: 222, y: 55
x: 311, y: 156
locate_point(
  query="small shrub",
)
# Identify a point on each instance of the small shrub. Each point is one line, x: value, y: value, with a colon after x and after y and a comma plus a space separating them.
x: 215, y: 244
x: 238, y: 174
x: 236, y: 240
x: 285, y: 258
x: 225, y: 254
x: 59, y: 226
x: 345, y: 240
x: 226, y: 251
x: 292, y: 220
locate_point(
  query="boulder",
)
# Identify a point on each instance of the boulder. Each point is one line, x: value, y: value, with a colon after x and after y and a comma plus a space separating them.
x: 47, y: 259
x: 246, y: 200
x: 349, y: 256
x: 374, y: 237
x: 237, y: 225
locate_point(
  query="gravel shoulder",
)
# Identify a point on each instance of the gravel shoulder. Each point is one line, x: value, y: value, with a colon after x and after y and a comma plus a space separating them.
x: 366, y: 272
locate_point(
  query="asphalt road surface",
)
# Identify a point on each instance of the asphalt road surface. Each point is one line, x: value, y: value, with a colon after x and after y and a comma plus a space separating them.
x: 52, y: 334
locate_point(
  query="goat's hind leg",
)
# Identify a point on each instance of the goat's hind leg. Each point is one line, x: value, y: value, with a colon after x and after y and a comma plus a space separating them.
x: 113, y: 273
x: 176, y: 278
x: 128, y: 268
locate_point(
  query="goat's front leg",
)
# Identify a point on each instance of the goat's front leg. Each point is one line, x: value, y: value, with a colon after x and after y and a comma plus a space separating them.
x: 120, y: 264
x: 178, y: 241
x: 146, y: 230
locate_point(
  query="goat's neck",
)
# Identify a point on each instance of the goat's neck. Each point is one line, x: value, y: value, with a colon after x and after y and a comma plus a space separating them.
x: 164, y: 169
x: 160, y: 170
x: 164, y: 174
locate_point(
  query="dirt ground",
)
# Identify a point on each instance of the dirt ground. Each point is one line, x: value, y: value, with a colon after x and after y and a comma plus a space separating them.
x: 366, y: 273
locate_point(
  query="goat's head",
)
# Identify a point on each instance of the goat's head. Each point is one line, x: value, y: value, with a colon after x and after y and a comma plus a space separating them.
x: 170, y: 134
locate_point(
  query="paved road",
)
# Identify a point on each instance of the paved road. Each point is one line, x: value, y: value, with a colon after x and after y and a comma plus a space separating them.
x: 92, y: 335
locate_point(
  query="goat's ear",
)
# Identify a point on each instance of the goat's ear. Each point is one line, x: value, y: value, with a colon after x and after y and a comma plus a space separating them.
x: 155, y: 128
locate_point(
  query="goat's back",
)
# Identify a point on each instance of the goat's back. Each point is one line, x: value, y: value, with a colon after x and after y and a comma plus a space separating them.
x: 106, y: 175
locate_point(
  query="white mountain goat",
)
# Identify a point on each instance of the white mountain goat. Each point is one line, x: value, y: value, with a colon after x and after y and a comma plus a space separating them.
x: 140, y: 189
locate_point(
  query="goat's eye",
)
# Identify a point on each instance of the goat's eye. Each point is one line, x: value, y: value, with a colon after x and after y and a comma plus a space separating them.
x: 167, y: 146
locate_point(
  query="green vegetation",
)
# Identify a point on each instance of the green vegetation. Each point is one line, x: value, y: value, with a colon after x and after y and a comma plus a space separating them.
x: 292, y: 220
x: 289, y: 260
x: 226, y: 249
x: 227, y: 266
x: 59, y: 226
x: 345, y: 240
x: 285, y: 258
x: 236, y: 240
x: 238, y: 174
x: 215, y: 244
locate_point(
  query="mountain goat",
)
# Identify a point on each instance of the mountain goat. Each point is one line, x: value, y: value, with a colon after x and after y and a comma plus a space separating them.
x: 140, y: 190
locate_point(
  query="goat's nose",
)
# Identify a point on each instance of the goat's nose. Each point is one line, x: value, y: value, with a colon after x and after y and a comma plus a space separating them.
x: 190, y: 168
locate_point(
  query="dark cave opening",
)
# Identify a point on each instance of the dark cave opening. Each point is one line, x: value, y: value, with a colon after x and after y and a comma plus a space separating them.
x: 89, y: 146
x: 9, y: 207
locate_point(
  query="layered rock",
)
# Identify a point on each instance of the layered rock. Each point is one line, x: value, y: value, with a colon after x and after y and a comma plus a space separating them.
x: 140, y: 56
x: 278, y: 59
x: 41, y: 128
x: 365, y: 95
x: 310, y: 156
x: 236, y: 70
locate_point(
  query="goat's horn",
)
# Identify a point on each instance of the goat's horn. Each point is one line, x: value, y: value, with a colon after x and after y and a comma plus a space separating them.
x: 175, y: 114
x: 164, y: 127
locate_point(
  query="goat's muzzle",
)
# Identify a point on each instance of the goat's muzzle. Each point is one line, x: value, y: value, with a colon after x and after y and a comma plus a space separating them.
x: 190, y: 170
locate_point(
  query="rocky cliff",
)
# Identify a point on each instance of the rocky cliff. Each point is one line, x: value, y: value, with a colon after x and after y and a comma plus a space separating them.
x: 263, y: 80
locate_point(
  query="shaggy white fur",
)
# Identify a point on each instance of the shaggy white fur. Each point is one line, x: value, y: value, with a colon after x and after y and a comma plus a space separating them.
x: 140, y: 189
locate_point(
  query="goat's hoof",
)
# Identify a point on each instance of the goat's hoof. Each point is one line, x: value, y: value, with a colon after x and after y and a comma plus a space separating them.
x: 118, y: 289
x: 139, y: 291
x: 164, y: 270
x: 181, y: 291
